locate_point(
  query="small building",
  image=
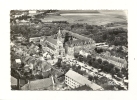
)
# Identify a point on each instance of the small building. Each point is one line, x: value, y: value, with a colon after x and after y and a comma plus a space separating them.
x: 18, y: 61
x: 75, y: 80
x: 34, y: 39
x: 32, y: 11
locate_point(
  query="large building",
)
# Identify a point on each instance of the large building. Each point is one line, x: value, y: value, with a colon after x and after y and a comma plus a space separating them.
x: 57, y: 46
x: 75, y: 80
x: 117, y: 61
x: 53, y: 46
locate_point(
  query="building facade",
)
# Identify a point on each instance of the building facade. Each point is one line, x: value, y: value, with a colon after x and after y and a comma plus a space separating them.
x: 53, y: 46
x: 76, y: 42
x: 75, y: 80
x: 117, y: 61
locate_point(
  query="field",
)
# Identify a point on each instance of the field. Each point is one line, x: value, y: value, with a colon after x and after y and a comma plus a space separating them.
x: 101, y: 18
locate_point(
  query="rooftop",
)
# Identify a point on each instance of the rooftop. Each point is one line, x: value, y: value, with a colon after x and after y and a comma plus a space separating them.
x: 13, y: 81
x: 38, y: 84
x: 51, y: 40
x: 76, y: 35
x: 18, y: 61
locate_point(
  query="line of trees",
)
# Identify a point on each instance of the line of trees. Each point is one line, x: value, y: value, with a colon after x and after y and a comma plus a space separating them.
x: 105, y: 66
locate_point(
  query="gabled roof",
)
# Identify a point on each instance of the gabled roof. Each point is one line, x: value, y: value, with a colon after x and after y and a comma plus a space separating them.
x: 38, y: 84
x: 51, y: 40
x: 76, y: 35
x: 13, y: 81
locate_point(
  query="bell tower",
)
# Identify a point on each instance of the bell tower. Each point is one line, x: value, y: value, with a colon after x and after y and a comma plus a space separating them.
x: 61, y: 50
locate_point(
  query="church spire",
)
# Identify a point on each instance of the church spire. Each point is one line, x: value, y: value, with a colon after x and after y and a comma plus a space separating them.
x: 59, y: 36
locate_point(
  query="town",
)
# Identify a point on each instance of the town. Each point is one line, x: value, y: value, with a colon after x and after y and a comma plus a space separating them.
x: 50, y: 52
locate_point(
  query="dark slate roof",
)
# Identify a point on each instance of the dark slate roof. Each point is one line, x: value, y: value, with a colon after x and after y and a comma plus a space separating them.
x: 51, y: 40
x: 77, y: 41
x: 76, y: 35
x: 51, y: 47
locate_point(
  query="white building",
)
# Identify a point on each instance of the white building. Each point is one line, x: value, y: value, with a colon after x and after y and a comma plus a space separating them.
x: 75, y: 80
x: 18, y: 61
x: 32, y: 11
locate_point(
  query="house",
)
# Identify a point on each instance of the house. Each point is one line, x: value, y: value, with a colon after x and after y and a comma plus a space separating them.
x: 45, y: 66
x: 34, y: 39
x: 13, y: 81
x: 39, y: 84
x: 18, y: 61
x: 75, y: 80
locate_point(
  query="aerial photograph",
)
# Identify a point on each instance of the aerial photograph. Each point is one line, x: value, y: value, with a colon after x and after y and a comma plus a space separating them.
x: 69, y: 50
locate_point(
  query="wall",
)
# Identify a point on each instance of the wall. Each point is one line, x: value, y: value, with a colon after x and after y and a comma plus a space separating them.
x: 71, y: 83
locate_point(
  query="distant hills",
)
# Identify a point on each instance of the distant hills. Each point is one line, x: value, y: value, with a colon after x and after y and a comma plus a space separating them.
x: 78, y: 11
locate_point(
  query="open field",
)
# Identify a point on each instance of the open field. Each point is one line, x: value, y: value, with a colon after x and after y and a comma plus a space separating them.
x: 91, y: 18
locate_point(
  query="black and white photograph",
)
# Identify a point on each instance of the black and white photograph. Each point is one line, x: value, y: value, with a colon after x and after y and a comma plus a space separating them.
x: 69, y: 50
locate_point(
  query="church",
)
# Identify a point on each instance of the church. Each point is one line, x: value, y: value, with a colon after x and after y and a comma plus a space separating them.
x: 57, y: 45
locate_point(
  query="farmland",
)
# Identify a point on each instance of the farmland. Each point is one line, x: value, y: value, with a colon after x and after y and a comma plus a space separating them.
x: 91, y: 18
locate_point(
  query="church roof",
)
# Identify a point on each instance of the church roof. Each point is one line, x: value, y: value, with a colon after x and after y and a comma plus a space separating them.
x: 76, y: 35
x: 52, y: 40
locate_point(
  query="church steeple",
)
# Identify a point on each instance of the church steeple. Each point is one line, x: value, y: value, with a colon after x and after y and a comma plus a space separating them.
x: 59, y: 35
x: 61, y: 50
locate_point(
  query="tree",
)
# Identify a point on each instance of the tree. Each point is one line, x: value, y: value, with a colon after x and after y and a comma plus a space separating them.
x: 104, y: 36
x: 100, y: 66
x: 95, y: 64
x: 79, y: 67
x: 105, y: 63
x: 90, y: 77
x: 99, y: 61
x: 117, y: 70
x: 66, y: 38
x: 90, y: 62
x: 113, y: 72
x: 80, y: 58
x: 76, y: 55
x: 119, y: 74
x: 105, y: 66
x: 59, y: 62
x: 85, y: 59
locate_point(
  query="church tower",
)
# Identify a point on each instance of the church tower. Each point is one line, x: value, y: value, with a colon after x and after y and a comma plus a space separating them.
x: 60, y: 48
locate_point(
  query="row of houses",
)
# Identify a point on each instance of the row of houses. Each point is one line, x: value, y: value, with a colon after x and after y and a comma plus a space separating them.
x: 72, y: 79
x: 117, y: 61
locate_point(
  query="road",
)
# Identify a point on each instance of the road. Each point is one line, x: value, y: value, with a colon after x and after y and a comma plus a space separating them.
x: 95, y: 72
